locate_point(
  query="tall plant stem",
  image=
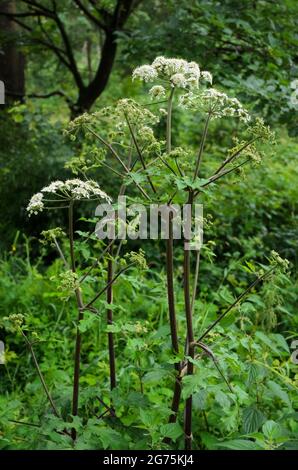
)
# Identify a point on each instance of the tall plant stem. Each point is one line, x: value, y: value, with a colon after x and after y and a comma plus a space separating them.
x: 172, y: 317
x: 170, y: 280
x: 190, y: 337
x: 40, y: 375
x: 169, y: 121
x: 110, y: 322
x: 202, y: 144
x: 139, y: 152
x: 77, y: 355
x: 194, y: 292
x: 195, y: 284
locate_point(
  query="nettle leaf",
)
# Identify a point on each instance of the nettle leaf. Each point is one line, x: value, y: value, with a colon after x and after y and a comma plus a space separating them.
x: 252, y: 374
x: 280, y: 340
x: 137, y: 399
x: 266, y: 340
x: 171, y: 430
x: 252, y: 419
x: 149, y: 418
x: 208, y: 440
x: 271, y: 429
x: 277, y: 391
x: 239, y: 444
x: 109, y: 437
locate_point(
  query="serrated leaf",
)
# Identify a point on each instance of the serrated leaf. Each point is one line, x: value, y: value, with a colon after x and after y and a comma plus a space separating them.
x: 271, y: 429
x: 252, y: 419
x: 108, y: 436
x: 239, y: 444
x: 277, y: 390
x: 171, y: 430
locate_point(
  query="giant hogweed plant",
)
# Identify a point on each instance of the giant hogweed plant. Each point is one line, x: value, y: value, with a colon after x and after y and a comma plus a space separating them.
x: 64, y: 195
x: 122, y: 139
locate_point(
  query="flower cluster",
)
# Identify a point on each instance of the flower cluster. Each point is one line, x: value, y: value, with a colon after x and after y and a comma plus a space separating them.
x: 247, y: 150
x: 260, y: 131
x: 49, y: 236
x: 137, y: 258
x: 277, y: 260
x: 69, y: 283
x: 73, y: 189
x: 138, y: 115
x: 157, y: 91
x: 215, y: 102
x: 35, y: 204
x: 13, y: 322
x: 150, y: 145
x: 91, y: 157
x: 178, y: 73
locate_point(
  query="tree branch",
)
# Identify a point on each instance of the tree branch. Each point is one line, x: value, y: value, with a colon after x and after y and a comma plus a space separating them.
x: 90, y: 16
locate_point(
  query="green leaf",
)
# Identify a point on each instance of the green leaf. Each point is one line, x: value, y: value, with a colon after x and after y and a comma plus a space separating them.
x: 277, y: 391
x: 155, y: 375
x: 108, y: 436
x: 280, y: 340
x: 252, y: 419
x: 266, y: 340
x: 191, y: 384
x: 222, y: 399
x: 88, y: 322
x: 171, y: 430
x: 239, y: 444
x: 252, y: 374
x: 271, y: 429
x: 200, y: 399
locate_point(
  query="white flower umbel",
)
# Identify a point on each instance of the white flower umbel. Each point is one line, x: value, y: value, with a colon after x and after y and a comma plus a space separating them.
x: 177, y: 73
x: 63, y: 191
x: 215, y: 102
x: 35, y: 204
x: 157, y: 91
x: 145, y: 72
x: 179, y: 80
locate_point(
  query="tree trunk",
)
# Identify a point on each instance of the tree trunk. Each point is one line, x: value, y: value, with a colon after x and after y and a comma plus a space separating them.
x: 89, y: 94
x: 12, y: 61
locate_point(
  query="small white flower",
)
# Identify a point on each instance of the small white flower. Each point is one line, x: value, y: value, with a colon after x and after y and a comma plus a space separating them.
x: 177, y: 72
x: 53, y: 187
x: 65, y: 191
x: 217, y: 103
x: 35, y: 204
x: 145, y: 72
x: 294, y: 84
x: 178, y: 80
x: 163, y: 111
x: 157, y: 91
x: 207, y: 76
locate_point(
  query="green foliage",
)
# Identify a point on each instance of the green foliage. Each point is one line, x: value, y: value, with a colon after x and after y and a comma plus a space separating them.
x: 244, y: 385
